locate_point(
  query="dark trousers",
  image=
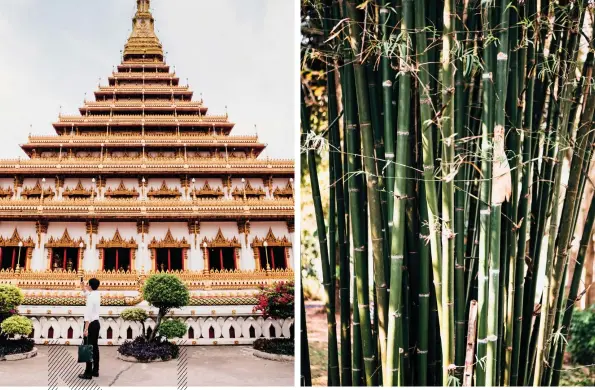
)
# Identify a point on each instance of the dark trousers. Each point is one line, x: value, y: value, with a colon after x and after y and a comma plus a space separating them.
x: 91, y: 339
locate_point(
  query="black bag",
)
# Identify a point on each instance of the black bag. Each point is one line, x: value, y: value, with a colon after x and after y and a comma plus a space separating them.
x: 85, y: 353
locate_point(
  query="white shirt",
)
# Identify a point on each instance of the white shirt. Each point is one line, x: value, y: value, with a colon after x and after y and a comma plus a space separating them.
x: 92, y: 307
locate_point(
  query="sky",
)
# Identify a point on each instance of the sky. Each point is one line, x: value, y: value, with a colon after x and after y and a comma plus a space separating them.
x: 237, y: 53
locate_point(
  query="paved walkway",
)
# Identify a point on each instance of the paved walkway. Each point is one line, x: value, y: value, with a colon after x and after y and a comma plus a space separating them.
x: 206, y: 366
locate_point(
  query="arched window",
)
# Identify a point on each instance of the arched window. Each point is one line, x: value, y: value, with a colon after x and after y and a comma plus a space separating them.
x: 70, y: 333
x: 51, y: 332
x: 191, y: 333
x: 252, y: 332
x: 129, y: 333
x: 211, y: 332
x: 232, y: 333
x: 110, y: 333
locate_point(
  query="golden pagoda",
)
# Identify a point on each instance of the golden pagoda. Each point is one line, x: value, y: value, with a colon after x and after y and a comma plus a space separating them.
x: 144, y: 180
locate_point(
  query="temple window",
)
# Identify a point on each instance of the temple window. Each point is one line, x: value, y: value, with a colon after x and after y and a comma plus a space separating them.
x: 271, y: 252
x: 117, y: 259
x: 15, y: 251
x: 221, y: 253
x: 169, y: 254
x: 169, y: 259
x: 10, y: 255
x: 117, y: 254
x: 65, y: 253
x: 273, y: 257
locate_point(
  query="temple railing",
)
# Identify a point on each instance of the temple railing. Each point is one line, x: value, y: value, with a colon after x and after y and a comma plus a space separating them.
x: 134, y: 280
x: 147, y: 139
x: 146, y: 88
x: 148, y: 203
x: 146, y: 103
x: 94, y: 162
x: 145, y: 118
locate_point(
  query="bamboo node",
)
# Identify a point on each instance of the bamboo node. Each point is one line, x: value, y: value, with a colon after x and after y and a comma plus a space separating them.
x: 403, y: 133
x: 387, y: 83
x: 482, y: 341
x: 424, y: 295
x: 383, y: 10
x: 502, y: 56
x: 396, y: 257
x: 492, y: 337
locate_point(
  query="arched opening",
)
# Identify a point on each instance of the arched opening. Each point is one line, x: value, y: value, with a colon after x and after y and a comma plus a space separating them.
x: 291, y: 331
x: 211, y: 332
x: 70, y: 333
x: 272, y: 331
x: 149, y: 330
x: 252, y: 332
x: 129, y: 333
x: 51, y: 332
x: 191, y: 333
x: 32, y: 335
x: 110, y: 333
x: 232, y: 333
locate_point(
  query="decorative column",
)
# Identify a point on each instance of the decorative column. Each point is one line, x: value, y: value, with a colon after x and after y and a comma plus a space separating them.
x: 100, y: 183
x: 226, y: 186
x: 185, y: 185
x: 41, y: 228
x: 59, y: 186
x: 18, y: 186
x: 205, y: 255
x: 194, y: 231
x: 268, y: 186
x: 291, y: 230
x: 144, y: 261
x: 91, y: 260
x: 244, y: 228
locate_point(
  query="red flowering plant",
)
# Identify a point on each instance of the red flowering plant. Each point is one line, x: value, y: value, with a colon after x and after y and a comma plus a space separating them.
x: 276, y: 301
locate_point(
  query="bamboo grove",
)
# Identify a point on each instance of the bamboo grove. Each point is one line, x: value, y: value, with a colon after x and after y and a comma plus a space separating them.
x: 451, y: 217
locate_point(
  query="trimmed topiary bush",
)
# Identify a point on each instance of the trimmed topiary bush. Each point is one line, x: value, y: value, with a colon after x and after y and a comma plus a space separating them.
x: 582, y: 337
x: 276, y: 346
x: 17, y: 325
x: 10, y: 299
x: 165, y: 292
x: 136, y: 315
x: 171, y: 329
x: 146, y: 351
x: 11, y: 347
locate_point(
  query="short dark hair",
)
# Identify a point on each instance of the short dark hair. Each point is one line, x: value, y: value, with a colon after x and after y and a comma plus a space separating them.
x: 94, y: 283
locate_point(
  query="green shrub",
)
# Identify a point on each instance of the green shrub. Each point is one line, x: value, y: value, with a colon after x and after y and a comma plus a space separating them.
x: 10, y: 298
x: 276, y: 346
x: 582, y: 337
x: 17, y: 325
x: 134, y: 314
x: 165, y: 292
x: 172, y: 329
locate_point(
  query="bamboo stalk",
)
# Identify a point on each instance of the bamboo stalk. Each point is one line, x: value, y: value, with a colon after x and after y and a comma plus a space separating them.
x: 395, y: 319
x: 306, y: 375
x: 424, y: 294
x: 470, y: 351
x: 376, y: 219
x: 333, y: 363
x: 448, y: 171
x: 426, y: 118
x: 358, y: 229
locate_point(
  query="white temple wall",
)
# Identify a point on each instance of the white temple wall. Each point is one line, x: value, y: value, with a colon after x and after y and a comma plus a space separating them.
x: 6, y: 182
x: 26, y: 229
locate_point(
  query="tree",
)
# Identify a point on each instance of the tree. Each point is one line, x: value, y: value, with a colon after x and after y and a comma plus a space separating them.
x: 173, y: 328
x: 165, y: 292
x: 17, y: 325
x: 136, y: 315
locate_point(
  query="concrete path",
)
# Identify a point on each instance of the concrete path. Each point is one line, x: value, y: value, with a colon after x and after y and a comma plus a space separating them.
x: 206, y: 366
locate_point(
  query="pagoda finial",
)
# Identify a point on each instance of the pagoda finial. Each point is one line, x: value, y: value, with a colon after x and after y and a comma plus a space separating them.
x: 143, y: 5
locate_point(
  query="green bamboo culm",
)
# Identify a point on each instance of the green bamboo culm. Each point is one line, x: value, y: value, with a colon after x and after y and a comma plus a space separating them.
x: 367, y: 136
x: 333, y: 362
x: 357, y: 218
x: 306, y: 375
x: 394, y: 373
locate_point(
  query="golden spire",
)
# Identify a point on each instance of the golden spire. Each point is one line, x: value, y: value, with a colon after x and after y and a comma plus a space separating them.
x: 143, y: 43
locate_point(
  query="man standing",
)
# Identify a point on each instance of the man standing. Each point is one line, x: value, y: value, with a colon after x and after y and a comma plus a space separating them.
x: 91, y: 332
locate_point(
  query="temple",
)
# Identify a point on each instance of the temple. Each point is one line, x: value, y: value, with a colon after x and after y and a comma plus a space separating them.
x: 145, y: 180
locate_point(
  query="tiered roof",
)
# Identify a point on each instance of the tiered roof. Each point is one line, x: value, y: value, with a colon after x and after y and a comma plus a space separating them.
x: 143, y: 109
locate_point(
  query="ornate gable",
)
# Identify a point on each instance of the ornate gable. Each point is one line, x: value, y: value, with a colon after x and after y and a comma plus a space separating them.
x: 36, y: 191
x: 6, y: 192
x: 169, y: 242
x: 286, y: 192
x: 15, y: 239
x: 117, y: 242
x: 164, y: 191
x: 271, y: 240
x: 249, y: 191
x: 65, y: 242
x: 121, y: 191
x: 220, y: 241
x: 79, y: 190
x: 208, y: 192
